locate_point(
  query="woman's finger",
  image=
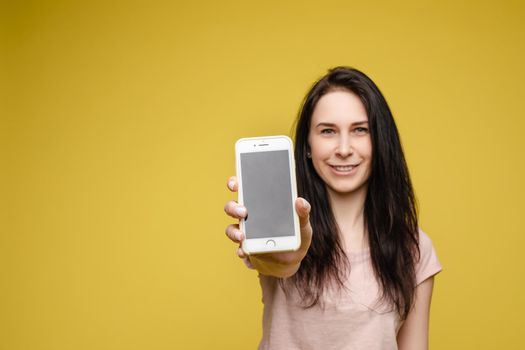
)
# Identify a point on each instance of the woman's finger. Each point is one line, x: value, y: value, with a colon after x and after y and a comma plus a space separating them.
x: 233, y: 233
x: 302, y: 207
x: 248, y: 263
x: 235, y: 210
x: 232, y: 184
x: 303, y: 210
x: 241, y: 253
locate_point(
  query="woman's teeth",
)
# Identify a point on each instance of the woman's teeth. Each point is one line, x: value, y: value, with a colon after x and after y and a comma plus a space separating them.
x: 344, y: 168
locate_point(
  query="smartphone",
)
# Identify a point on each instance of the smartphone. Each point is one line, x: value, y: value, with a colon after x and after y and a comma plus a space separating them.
x: 268, y: 190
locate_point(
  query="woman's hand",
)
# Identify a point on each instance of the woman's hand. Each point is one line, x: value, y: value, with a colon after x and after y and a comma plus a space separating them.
x: 272, y: 264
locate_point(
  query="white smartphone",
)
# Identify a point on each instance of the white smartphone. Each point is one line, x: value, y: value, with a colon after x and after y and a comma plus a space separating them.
x: 268, y: 190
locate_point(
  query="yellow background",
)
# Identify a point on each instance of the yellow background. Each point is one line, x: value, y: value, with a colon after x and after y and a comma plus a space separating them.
x: 118, y: 122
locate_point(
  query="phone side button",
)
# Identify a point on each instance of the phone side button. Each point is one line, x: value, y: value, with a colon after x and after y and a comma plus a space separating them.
x: 270, y: 243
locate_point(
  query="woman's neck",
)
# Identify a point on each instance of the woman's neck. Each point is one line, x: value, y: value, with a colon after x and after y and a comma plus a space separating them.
x: 348, y: 209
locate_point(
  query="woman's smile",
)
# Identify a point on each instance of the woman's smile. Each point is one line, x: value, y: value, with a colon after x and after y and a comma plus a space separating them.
x: 344, y: 169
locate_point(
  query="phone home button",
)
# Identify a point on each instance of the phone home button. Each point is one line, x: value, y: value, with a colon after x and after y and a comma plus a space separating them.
x: 270, y: 243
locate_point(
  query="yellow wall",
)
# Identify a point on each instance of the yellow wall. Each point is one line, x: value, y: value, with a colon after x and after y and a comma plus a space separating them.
x: 117, y: 129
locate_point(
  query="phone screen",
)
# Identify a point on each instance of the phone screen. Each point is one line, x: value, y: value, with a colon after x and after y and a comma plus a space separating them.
x: 267, y: 194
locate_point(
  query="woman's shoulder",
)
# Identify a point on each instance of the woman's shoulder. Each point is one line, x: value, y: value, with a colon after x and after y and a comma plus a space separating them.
x: 425, y: 242
x: 428, y: 263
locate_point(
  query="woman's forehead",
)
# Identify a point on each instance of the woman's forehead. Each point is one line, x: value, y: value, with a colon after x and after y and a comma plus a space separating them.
x: 339, y: 107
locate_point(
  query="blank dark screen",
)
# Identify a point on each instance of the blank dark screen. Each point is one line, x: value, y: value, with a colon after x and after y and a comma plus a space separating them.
x: 267, y: 194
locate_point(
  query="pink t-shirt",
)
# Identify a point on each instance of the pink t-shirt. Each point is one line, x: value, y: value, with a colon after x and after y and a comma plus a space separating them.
x: 351, y: 318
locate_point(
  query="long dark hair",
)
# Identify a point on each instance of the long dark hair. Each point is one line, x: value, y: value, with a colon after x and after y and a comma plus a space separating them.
x: 390, y: 209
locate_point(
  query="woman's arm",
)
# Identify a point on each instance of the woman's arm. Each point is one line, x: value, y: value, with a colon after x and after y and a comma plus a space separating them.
x: 413, y: 334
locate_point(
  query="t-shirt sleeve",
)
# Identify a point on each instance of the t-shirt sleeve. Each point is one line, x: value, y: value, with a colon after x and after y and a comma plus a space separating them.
x: 428, y: 264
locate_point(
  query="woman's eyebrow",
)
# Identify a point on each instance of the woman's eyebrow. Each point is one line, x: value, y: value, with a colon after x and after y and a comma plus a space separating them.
x: 325, y: 124
x: 332, y: 124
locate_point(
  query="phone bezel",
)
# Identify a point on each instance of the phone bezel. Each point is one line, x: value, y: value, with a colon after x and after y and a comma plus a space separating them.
x: 265, y: 144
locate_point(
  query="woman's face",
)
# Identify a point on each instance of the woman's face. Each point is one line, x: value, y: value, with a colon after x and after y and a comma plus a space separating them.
x: 340, y: 144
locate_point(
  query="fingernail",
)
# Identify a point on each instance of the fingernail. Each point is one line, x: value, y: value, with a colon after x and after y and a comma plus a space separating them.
x: 306, y: 205
x: 238, y: 235
x: 241, y: 211
x: 231, y: 183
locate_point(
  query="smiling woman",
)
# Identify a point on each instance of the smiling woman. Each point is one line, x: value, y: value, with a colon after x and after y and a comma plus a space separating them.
x: 340, y: 145
x: 363, y: 276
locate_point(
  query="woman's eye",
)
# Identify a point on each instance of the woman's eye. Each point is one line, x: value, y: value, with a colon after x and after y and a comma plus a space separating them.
x: 327, y: 131
x: 361, y: 131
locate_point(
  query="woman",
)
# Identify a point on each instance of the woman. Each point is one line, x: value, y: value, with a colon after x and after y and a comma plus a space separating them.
x: 363, y: 276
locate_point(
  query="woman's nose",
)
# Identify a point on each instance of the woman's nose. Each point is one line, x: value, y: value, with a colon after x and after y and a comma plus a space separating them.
x: 344, y: 147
